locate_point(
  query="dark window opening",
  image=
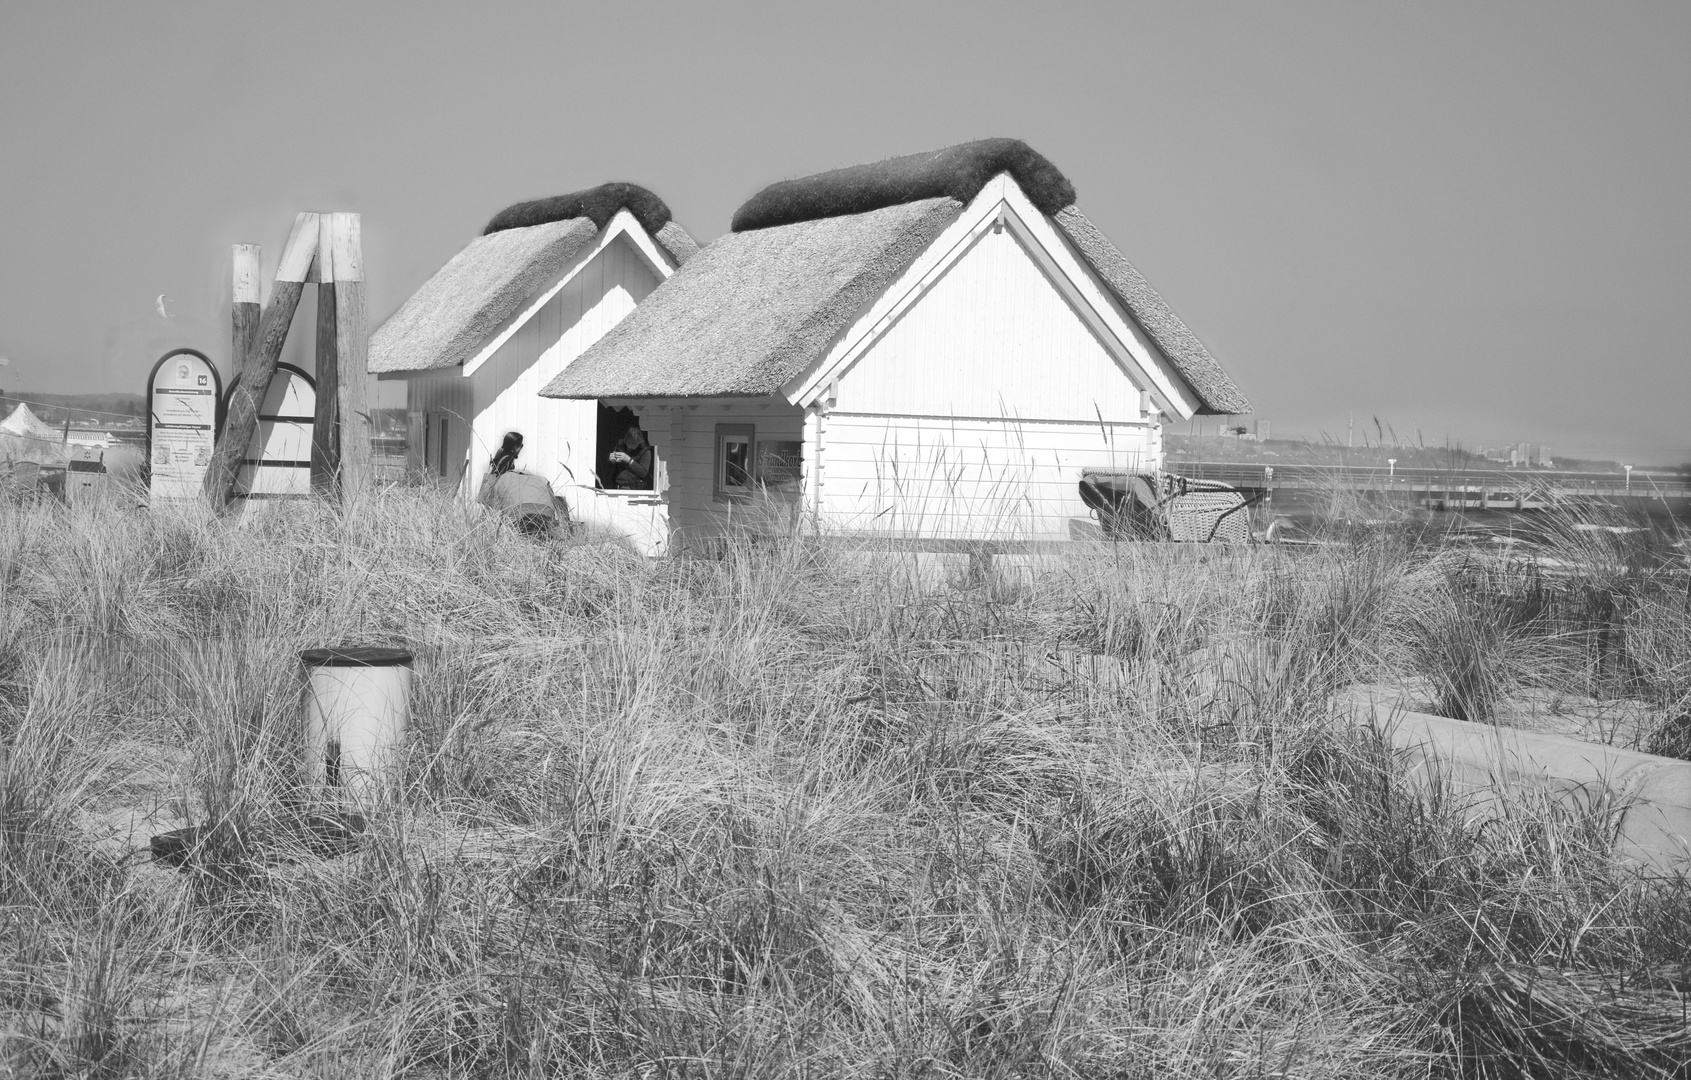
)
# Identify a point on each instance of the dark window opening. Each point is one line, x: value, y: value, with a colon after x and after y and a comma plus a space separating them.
x: 634, y: 463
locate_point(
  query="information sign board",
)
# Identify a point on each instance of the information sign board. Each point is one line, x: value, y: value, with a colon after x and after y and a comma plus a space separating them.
x: 278, y: 459
x: 183, y: 392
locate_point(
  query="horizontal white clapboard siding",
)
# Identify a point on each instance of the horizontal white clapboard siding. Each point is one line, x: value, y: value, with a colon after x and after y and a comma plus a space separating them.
x: 691, y: 461
x: 968, y: 479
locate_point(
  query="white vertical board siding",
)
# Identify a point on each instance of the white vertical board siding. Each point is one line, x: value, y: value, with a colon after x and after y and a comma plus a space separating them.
x: 444, y: 393
x: 993, y: 337
x: 968, y: 479
x: 975, y: 414
x: 559, y: 437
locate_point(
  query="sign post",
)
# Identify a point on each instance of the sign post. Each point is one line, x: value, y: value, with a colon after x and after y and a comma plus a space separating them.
x: 278, y: 461
x: 183, y: 391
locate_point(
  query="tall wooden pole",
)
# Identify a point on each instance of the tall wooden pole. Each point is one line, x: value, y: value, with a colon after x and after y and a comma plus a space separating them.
x: 244, y: 314
x: 351, y: 349
x: 244, y: 403
x: 326, y: 425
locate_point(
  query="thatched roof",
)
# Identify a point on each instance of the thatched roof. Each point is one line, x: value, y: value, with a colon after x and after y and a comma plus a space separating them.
x: 957, y: 172
x: 1217, y: 393
x: 752, y: 309
x: 599, y: 205
x: 450, y: 319
x: 756, y: 307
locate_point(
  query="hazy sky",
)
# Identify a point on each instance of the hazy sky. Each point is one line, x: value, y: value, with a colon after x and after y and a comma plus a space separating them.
x: 1472, y: 219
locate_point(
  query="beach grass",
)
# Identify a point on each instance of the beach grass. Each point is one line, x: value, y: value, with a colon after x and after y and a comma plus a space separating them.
x: 793, y: 808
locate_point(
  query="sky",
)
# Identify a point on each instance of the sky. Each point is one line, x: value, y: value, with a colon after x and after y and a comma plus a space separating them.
x: 1471, y: 221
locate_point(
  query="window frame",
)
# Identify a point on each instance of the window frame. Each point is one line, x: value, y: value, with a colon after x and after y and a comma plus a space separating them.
x: 436, y: 440
x: 721, y: 491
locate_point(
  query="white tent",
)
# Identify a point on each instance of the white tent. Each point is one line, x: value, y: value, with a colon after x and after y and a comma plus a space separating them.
x: 25, y: 423
x: 24, y: 437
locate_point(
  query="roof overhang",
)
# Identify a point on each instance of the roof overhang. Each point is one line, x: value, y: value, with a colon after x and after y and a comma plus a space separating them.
x: 623, y: 224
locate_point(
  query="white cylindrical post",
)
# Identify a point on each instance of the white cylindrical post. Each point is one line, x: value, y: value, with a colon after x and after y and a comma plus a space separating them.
x: 357, y: 709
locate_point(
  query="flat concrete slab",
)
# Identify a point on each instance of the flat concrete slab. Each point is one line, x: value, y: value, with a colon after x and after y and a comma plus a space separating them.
x: 1652, y: 794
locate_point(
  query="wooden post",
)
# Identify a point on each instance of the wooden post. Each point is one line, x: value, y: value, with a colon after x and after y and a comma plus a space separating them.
x: 351, y: 349
x: 326, y: 425
x: 244, y: 313
x: 244, y: 403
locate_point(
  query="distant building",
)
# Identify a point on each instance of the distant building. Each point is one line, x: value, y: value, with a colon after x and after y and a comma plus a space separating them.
x: 1262, y: 430
x: 1544, y: 461
x: 89, y: 437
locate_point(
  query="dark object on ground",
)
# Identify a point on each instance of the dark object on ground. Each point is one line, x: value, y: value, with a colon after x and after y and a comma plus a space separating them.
x: 330, y: 833
x: 222, y: 854
x: 599, y: 205
x: 956, y: 171
x: 177, y: 847
x: 228, y: 854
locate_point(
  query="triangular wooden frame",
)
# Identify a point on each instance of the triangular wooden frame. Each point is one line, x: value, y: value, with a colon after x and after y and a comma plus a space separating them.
x: 325, y: 249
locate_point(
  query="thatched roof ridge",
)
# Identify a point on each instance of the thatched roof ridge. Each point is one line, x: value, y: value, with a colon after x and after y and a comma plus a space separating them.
x: 598, y: 204
x: 1217, y: 393
x: 957, y: 172
x: 675, y: 240
x: 752, y: 309
x: 447, y: 321
x: 469, y: 299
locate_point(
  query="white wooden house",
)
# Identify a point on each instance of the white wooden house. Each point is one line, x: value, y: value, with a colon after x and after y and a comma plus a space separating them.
x: 476, y: 343
x: 934, y: 347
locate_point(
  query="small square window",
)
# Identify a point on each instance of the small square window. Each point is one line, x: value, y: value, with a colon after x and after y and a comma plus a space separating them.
x: 734, y: 460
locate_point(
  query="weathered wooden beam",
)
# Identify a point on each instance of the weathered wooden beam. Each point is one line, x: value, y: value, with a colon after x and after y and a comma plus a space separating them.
x: 244, y: 313
x: 244, y: 403
x: 325, y: 428
x: 351, y: 348
x: 326, y: 422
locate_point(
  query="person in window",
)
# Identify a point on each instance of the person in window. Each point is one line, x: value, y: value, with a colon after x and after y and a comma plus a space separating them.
x: 631, y: 461
x: 524, y: 499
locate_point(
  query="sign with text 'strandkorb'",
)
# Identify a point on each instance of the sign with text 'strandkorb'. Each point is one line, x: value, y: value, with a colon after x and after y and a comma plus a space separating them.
x: 183, y: 393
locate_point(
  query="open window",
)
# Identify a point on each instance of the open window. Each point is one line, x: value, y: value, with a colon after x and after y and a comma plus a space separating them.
x: 745, y: 464
x: 623, y: 458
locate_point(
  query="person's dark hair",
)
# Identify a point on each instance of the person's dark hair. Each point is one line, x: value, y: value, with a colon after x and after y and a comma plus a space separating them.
x: 506, y: 459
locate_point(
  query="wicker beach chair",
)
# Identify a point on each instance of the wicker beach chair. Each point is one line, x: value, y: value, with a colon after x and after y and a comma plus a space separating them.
x: 1163, y: 506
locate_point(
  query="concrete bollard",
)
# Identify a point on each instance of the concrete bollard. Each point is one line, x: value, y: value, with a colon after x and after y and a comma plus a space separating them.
x: 357, y: 709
